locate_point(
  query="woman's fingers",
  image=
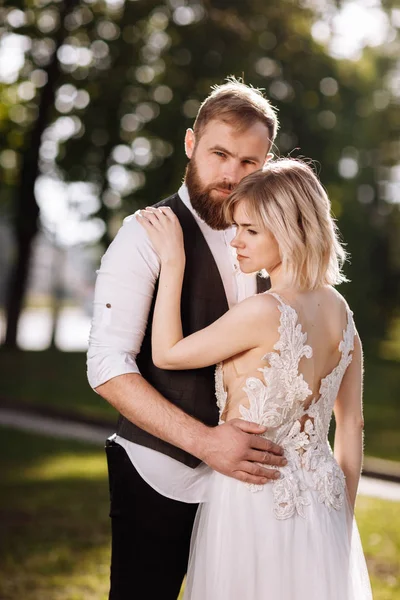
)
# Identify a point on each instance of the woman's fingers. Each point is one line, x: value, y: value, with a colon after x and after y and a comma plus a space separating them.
x: 150, y: 214
x: 150, y: 224
x: 164, y: 232
x: 169, y: 214
x: 162, y: 216
x: 151, y: 218
x: 144, y: 222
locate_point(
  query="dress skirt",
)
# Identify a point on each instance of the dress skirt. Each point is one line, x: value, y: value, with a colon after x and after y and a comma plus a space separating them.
x: 241, y: 551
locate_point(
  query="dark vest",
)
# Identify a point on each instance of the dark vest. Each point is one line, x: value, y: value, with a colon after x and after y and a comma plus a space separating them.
x: 203, y: 302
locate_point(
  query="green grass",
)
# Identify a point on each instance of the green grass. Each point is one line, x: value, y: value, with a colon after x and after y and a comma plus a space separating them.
x: 51, y: 379
x: 379, y: 524
x: 54, y: 541
x: 55, y: 531
x: 382, y: 409
x: 57, y: 380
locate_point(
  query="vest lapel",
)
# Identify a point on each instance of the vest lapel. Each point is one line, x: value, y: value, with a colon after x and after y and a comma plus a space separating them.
x: 208, y: 282
x: 263, y: 284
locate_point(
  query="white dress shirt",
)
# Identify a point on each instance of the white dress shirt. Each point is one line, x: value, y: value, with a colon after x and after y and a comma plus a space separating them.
x: 123, y: 294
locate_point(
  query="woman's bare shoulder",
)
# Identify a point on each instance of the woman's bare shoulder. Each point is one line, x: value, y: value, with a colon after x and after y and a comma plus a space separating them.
x: 334, y: 297
x: 261, y: 309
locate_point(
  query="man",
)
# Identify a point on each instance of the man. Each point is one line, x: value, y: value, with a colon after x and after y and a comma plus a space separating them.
x: 168, y: 419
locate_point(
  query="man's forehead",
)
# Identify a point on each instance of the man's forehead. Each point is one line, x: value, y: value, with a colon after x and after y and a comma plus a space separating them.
x: 235, y: 127
x: 239, y: 140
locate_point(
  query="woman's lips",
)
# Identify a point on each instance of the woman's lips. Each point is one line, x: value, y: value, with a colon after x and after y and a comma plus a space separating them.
x: 240, y: 256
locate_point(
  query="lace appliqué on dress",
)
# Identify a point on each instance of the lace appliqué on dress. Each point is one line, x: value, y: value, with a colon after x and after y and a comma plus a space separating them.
x: 278, y: 402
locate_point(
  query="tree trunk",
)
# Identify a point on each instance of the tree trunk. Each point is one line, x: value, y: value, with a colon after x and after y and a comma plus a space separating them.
x: 27, y: 210
x: 57, y: 270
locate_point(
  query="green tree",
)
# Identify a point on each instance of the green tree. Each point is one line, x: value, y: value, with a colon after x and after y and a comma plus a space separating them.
x: 132, y: 75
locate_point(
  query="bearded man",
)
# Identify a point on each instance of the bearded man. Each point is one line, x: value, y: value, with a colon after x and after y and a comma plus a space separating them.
x: 168, y: 419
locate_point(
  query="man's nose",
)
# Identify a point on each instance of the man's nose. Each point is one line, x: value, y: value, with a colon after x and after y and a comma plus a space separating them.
x: 232, y: 174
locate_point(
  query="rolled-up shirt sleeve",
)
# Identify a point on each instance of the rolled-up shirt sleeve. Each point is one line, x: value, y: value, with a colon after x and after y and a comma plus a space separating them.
x: 123, y: 294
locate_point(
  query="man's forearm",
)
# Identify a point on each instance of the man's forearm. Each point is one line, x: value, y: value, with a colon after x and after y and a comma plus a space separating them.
x: 234, y: 449
x: 141, y: 404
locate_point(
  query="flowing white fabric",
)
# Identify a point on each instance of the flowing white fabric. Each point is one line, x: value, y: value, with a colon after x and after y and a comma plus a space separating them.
x: 295, y: 538
x: 241, y: 551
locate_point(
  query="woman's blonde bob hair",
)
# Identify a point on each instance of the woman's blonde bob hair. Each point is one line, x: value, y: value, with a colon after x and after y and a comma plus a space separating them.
x: 287, y: 198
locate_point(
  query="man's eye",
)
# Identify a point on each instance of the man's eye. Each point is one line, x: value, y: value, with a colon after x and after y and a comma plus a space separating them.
x: 249, y: 162
x: 221, y: 154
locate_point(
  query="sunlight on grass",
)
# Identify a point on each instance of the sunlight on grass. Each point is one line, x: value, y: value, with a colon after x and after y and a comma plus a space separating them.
x: 385, y: 591
x: 55, y: 526
x: 56, y: 532
x: 182, y: 590
x: 87, y: 466
x: 379, y: 524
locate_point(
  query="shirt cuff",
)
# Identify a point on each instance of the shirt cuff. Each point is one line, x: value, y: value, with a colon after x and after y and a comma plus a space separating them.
x: 102, y: 368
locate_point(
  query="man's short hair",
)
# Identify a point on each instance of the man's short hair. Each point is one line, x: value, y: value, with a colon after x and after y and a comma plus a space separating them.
x: 237, y: 103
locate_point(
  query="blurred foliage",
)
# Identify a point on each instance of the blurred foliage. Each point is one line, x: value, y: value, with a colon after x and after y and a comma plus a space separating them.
x: 131, y: 75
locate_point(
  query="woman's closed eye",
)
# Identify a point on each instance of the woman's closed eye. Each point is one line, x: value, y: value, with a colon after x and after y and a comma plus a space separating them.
x: 243, y: 227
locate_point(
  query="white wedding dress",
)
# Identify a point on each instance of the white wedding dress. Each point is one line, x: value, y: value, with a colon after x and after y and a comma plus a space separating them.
x: 295, y: 538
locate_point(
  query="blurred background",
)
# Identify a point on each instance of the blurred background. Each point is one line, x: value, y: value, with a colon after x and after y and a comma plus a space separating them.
x: 95, y: 98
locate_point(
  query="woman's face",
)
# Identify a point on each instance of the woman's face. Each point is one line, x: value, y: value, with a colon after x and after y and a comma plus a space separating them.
x: 256, y: 247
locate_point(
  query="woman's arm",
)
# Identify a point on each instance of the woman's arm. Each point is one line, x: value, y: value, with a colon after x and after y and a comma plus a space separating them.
x: 237, y: 330
x: 348, y: 445
x: 241, y: 328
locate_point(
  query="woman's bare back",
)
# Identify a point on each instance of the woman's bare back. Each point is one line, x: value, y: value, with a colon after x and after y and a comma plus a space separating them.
x: 322, y: 316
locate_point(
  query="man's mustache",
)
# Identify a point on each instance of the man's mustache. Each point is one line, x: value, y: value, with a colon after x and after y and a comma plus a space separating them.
x: 223, y: 185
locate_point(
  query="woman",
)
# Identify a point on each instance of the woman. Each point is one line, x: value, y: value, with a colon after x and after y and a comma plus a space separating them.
x: 285, y: 359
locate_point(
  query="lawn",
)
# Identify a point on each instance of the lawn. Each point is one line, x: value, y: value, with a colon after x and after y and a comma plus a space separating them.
x: 379, y: 524
x: 57, y: 381
x: 52, y: 380
x: 382, y: 409
x: 54, y: 541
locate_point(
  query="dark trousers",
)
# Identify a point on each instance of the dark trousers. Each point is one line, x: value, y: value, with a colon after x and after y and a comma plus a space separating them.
x: 150, y: 534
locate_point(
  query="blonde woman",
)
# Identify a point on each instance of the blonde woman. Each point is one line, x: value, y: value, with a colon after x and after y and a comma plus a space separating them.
x: 285, y: 360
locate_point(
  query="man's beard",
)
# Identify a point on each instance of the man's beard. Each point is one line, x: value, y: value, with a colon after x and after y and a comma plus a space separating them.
x: 207, y: 208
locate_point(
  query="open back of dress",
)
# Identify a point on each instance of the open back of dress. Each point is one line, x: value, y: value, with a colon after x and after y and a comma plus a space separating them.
x: 287, y: 395
x: 294, y: 538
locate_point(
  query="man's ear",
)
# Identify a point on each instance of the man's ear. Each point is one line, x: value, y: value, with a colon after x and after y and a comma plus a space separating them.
x: 270, y: 156
x: 190, y: 141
